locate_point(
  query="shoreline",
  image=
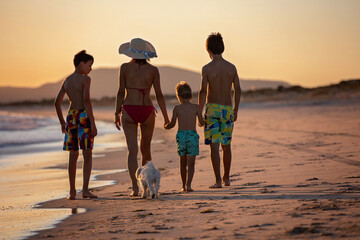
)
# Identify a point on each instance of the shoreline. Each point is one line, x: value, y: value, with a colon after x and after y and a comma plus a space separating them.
x: 294, y: 175
x: 36, y: 173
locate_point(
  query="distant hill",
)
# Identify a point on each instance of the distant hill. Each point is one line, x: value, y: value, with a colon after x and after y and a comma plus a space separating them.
x: 105, y: 84
x: 348, y: 90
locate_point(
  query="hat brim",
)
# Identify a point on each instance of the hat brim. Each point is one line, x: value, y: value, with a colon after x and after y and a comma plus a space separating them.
x: 124, y: 49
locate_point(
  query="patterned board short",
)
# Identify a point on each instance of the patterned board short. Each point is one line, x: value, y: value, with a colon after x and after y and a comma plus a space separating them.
x: 187, y: 142
x: 219, y: 123
x: 77, y: 131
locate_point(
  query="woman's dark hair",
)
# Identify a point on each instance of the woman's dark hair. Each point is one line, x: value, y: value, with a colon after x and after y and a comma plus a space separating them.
x: 140, y: 61
x: 215, y: 44
x: 183, y: 90
x: 82, y: 56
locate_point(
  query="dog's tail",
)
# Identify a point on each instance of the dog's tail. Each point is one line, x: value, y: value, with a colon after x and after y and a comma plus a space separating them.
x: 150, y: 164
x: 137, y: 173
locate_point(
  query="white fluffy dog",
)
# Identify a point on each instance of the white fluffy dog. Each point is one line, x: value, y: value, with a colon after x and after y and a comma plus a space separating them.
x: 149, y: 179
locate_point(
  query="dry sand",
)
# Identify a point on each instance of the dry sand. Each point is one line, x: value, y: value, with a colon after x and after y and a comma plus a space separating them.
x: 295, y: 175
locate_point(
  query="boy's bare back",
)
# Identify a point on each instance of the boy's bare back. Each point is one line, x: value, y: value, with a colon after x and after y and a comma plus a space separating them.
x: 218, y: 77
x: 74, y: 88
x: 187, y: 113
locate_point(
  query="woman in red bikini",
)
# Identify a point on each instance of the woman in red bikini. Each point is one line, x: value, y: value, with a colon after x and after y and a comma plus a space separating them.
x: 136, y: 108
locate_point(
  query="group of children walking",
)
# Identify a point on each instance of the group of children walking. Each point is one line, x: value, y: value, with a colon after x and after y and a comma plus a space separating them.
x: 219, y: 79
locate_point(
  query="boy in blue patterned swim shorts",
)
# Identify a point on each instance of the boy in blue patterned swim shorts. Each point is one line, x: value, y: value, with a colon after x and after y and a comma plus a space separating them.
x: 187, y: 138
x: 218, y: 78
x: 80, y: 128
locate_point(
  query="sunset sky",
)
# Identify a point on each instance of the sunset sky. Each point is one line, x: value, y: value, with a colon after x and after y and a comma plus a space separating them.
x: 304, y: 42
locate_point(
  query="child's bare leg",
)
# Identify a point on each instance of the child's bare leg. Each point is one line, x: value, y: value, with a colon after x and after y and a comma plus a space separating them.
x: 215, y: 160
x: 130, y: 131
x: 191, y: 170
x: 73, y: 157
x: 227, y: 163
x: 183, y: 163
x: 146, y: 130
x: 87, y: 165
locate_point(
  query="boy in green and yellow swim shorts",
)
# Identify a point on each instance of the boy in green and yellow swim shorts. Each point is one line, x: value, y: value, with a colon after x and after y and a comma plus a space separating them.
x: 219, y: 77
x: 187, y: 138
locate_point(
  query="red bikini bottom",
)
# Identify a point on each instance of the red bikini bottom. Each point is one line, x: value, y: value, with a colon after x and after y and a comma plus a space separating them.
x: 139, y: 113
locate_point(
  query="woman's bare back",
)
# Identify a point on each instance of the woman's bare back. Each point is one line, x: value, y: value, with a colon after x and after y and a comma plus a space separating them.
x: 138, y: 82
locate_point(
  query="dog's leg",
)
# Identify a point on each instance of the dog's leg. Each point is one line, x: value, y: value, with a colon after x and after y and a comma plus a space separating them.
x: 143, y: 188
x: 157, y: 186
x: 152, y: 192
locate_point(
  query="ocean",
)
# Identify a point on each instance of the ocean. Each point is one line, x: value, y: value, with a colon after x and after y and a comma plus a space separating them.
x: 30, y: 149
x: 20, y: 133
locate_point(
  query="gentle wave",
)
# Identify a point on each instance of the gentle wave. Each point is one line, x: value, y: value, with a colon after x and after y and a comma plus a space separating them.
x: 21, y: 129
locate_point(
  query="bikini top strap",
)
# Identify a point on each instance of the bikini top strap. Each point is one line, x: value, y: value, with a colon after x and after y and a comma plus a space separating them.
x: 142, y: 91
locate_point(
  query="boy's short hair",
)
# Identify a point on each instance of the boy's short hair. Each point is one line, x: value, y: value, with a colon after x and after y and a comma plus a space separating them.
x: 82, y: 56
x: 183, y: 90
x: 215, y: 44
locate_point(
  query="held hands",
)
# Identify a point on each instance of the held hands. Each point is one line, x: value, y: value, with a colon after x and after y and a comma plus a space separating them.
x: 167, y: 123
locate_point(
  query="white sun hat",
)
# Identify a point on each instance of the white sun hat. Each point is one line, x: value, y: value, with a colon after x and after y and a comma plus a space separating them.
x: 138, y: 48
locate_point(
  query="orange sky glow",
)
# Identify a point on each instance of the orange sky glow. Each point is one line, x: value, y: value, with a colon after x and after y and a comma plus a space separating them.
x: 304, y: 42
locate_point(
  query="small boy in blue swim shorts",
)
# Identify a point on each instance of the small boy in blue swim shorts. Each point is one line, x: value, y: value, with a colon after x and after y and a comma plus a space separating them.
x: 79, y: 128
x: 187, y: 138
x: 219, y: 77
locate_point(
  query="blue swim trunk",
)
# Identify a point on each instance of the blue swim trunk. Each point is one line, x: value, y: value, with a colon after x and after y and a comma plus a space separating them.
x: 77, y: 131
x: 187, y: 142
x: 219, y: 123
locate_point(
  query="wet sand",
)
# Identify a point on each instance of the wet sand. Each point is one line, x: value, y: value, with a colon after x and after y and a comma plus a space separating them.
x: 295, y: 175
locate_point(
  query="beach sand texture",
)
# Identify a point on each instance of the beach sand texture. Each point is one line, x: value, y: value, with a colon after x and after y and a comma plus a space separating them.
x: 295, y: 175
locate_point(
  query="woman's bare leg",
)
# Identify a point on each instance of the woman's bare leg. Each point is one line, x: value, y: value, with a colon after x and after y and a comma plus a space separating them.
x: 130, y: 131
x: 147, y: 129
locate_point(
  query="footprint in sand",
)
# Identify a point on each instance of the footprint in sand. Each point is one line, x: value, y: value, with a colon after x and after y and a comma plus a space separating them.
x: 209, y: 210
x: 312, y: 179
x: 252, y: 183
x: 266, y: 190
x: 256, y: 171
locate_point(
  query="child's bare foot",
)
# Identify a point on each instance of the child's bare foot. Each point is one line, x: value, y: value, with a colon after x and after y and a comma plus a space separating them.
x: 88, y: 194
x: 189, y: 189
x: 183, y: 189
x: 216, y: 185
x: 226, y: 182
x: 71, y: 197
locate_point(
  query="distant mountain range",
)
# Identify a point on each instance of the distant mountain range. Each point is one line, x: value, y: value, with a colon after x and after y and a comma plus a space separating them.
x: 104, y: 83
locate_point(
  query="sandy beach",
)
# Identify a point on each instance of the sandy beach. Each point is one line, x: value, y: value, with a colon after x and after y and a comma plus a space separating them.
x: 295, y: 175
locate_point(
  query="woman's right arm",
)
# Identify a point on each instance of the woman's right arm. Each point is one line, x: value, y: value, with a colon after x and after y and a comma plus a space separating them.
x: 120, y: 97
x: 160, y: 97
